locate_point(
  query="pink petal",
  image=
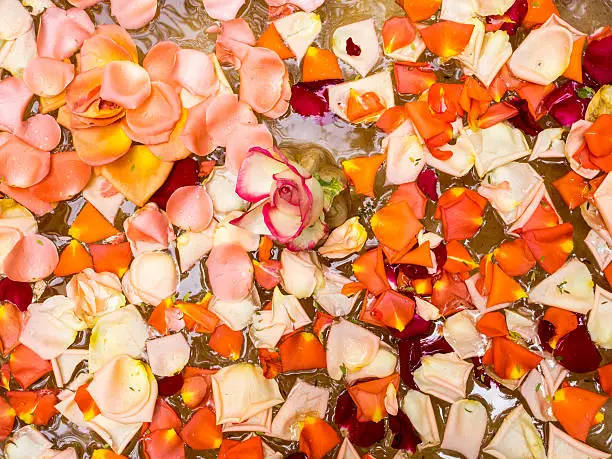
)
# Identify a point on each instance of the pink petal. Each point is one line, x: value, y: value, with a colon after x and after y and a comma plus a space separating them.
x: 174, y: 149
x: 234, y: 41
x: 305, y: 5
x: 195, y: 71
x: 26, y: 198
x: 14, y: 99
x: 255, y: 178
x: 230, y: 272
x: 62, y: 32
x: 84, y: 3
x: 195, y: 135
x: 223, y: 113
x: 40, y: 131
x: 168, y: 355
x: 21, y: 165
x: 135, y: 13
x: 68, y: 176
x: 152, y: 122
x: 148, y: 229
x: 125, y: 83
x: 48, y: 77
x: 33, y: 258
x: 243, y: 137
x: 190, y: 208
x: 160, y: 62
x: 223, y: 10
x: 109, y: 43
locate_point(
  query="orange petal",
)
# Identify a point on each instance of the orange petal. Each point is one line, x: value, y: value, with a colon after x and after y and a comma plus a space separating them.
x: 174, y: 149
x: 317, y: 438
x: 420, y: 256
x: 564, y: 321
x: 7, y: 419
x: 458, y: 259
x: 550, y: 246
x: 497, y: 113
x: 572, y: 188
x: 544, y: 216
x: 86, y: 403
x: 198, y: 317
x: 504, y: 289
x: 157, y: 319
x: 514, y: 257
x: 10, y: 326
x: 450, y: 294
x: 361, y: 172
x: 447, y: 38
x: 509, y: 359
x: 320, y: 64
x: 369, y: 269
x: 598, y: 136
x: 605, y: 378
x: 485, y: 282
x: 73, y: 259
x: 91, y: 226
x: 370, y: 397
x: 202, y: 432
x: 392, y: 117
x: 251, y: 448
x: 113, y: 258
x: 428, y: 125
x: 164, y: 443
x: 5, y: 376
x: 264, y: 251
x: 534, y: 94
x: 577, y: 410
x: 419, y: 10
x: 302, y: 351
x: 267, y: 273
x: 27, y: 366
x: 574, y: 69
x: 395, y: 225
x: 492, y: 324
x: 422, y: 286
x: 67, y: 177
x: 398, y: 32
x: 539, y: 12
x: 33, y: 407
x: 413, y: 196
x: 363, y: 106
x: 106, y: 454
x: 321, y: 322
x: 461, y: 211
x: 272, y: 40
x: 49, y: 104
x: 164, y: 417
x: 393, y: 310
x: 100, y: 145
x: 195, y: 390
x: 227, y: 342
x: 270, y: 362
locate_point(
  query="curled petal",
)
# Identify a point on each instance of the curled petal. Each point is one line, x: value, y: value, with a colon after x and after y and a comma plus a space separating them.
x: 62, y: 32
x: 597, y: 60
x: 160, y: 61
x: 243, y: 137
x: 48, y: 77
x: 109, y: 43
x: 195, y: 71
x: 344, y: 240
x: 148, y: 229
x: 101, y: 145
x: 125, y: 83
x: 224, y: 114
x: 33, y: 258
x: 135, y: 14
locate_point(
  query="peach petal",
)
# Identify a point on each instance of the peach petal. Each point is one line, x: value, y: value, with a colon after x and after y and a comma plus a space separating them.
x: 195, y: 136
x: 192, y: 247
x: 230, y: 272
x: 84, y: 3
x: 443, y: 375
x: 151, y: 278
x: 101, y: 145
x: 351, y: 346
x: 168, y: 355
x: 148, y: 229
x: 262, y: 77
x: 48, y: 77
x: 174, y: 149
x: 15, y: 20
x: 160, y: 61
x: 26, y: 198
x: 100, y: 50
x: 242, y: 138
x: 62, y: 32
x: 225, y: 112
x: 465, y: 428
x: 40, y: 131
x: 195, y: 71
x: 67, y: 177
x: 134, y: 14
x: 33, y: 258
x: 223, y: 10
x: 125, y: 83
x: 190, y: 208
x: 22, y: 165
x: 120, y: 36
x: 14, y: 99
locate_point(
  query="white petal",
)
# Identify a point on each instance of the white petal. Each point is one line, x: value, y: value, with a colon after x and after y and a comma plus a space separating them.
x: 345, y: 240
x: 14, y: 20
x: 465, y: 428
x: 65, y: 364
x: 520, y: 324
x: 363, y: 34
x: 443, y: 375
x: 562, y: 446
x: 15, y: 55
x: 417, y: 406
x: 460, y: 332
x: 298, y: 31
x: 405, y: 159
x: 458, y: 10
x: 460, y: 163
x: 299, y: 273
x: 96, y: 193
x: 236, y: 314
x: 351, y: 346
x: 600, y: 319
x: 228, y: 233
x: 493, y: 7
x: 384, y: 364
x: 498, y: 145
x: 379, y: 83
x: 495, y: 52
x: 549, y: 144
x: 329, y: 295
x: 599, y: 248
x: 222, y: 190
x: 168, y: 355
x: 409, y: 53
x: 470, y: 55
x: 261, y: 422
x: 426, y: 310
x: 516, y: 438
x: 151, y: 278
x: 192, y: 246
x: 26, y: 443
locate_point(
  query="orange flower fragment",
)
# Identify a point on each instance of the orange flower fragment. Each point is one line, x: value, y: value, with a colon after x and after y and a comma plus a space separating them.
x: 369, y: 269
x: 574, y: 69
x: 201, y: 431
x: 572, y: 188
x: 393, y: 310
x: 509, y: 359
x: 461, y: 211
x: 197, y: 316
x: 504, y: 289
x: 371, y: 397
x: 419, y: 256
x: 73, y: 259
x: 164, y: 417
x: 413, y: 78
x: 445, y: 100
x: 434, y: 130
x: 413, y: 196
x: 7, y: 419
x: 450, y: 294
x: 539, y: 12
x: 458, y: 259
x: 492, y: 324
x: 27, y: 366
x: 33, y: 407
x: 419, y: 10
x: 363, y: 106
x: 270, y: 362
x: 447, y: 38
x: 605, y: 378
x: 86, y: 403
x: 395, y: 225
x: 392, y: 118
x: 534, y: 94
x: 264, y: 250
x: 564, y: 322
x: 302, y: 351
x: 514, y: 257
x: 196, y: 386
x: 227, y: 342
x: 577, y: 410
x: 5, y: 376
x: 10, y: 326
x: 272, y: 40
x: 599, y: 138
x: 544, y: 216
x: 246, y: 449
x: 163, y: 444
x: 317, y: 438
x: 361, y: 172
x: 321, y: 322
x: 497, y: 113
x: 113, y: 258
x: 106, y: 454
x: 398, y: 32
x: 267, y: 273
x: 550, y: 246
x: 90, y: 226
x: 320, y: 64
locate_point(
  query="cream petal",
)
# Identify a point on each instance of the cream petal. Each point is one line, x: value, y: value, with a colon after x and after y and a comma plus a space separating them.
x: 460, y: 163
x: 122, y: 332
x: 495, y: 52
x: 498, y: 145
x: 228, y: 233
x: 382, y: 365
x: 16, y: 55
x: 599, y: 248
x: 405, y: 159
x: 26, y: 443
x: 549, y: 144
x: 493, y: 7
x: 380, y: 83
x: 443, y: 375
x: 469, y: 57
x: 362, y: 34
x: 417, y: 406
x: 152, y: 277
x: 15, y: 20
x: 222, y: 189
x: 603, y: 201
x: 300, y: 273
x: 460, y: 332
x: 563, y: 446
x: 240, y: 391
x: 522, y: 325
x: 65, y: 364
x: 541, y: 196
x: 347, y: 450
x: 577, y: 292
x: 237, y: 315
x: 516, y: 438
x: 409, y: 53
x: 168, y: 355
x: 458, y: 10
x: 465, y: 428
x: 261, y: 422
x: 298, y: 31
x: 426, y: 310
x: 193, y: 246
x: 329, y: 293
x: 349, y: 346
x: 346, y: 239
x: 103, y: 196
x: 575, y: 141
x: 304, y: 400
x: 600, y: 319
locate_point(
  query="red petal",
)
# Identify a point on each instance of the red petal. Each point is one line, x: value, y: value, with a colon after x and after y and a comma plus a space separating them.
x: 227, y: 342
x: 202, y: 432
x: 7, y: 419
x: 10, y: 327
x: 302, y: 351
x: 164, y: 444
x: 550, y: 246
x: 164, y: 417
x: 27, y: 366
x: 34, y: 407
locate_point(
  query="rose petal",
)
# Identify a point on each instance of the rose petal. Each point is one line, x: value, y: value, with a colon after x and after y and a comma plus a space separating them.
x: 40, y: 131
x: 48, y: 77
x: 68, y: 176
x: 14, y: 99
x: 230, y: 272
x: 195, y: 71
x: 160, y: 61
x: 135, y: 14
x: 152, y: 277
x: 33, y: 258
x: 62, y: 32
x: 125, y: 83
x: 22, y: 165
x: 223, y: 10
x: 168, y: 355
x: 148, y: 229
x: 190, y: 208
x: 109, y: 43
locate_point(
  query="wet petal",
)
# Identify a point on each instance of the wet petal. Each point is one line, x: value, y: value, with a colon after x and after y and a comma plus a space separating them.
x: 230, y: 272
x: 62, y: 32
x: 15, y: 97
x: 22, y: 165
x: 68, y: 176
x: 222, y: 10
x: 576, y: 410
x: 443, y: 375
x: 101, y: 145
x: 561, y: 445
x: 40, y: 131
x: 168, y: 355
x: 27, y: 366
x: 317, y: 438
x: 351, y: 346
x: 510, y: 360
x: 465, y: 428
x: 91, y: 226
x: 33, y: 258
x: 134, y: 15
x: 125, y: 83
x: 48, y: 77
x: 148, y: 229
x: 550, y: 246
x: 201, y: 432
x: 152, y: 277
x: 417, y: 406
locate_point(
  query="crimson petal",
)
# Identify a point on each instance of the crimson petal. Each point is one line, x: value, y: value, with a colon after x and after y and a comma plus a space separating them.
x: 598, y: 60
x: 564, y: 104
x: 405, y: 436
x: 363, y: 434
x: 170, y: 385
x: 184, y: 173
x: 427, y: 181
x: 18, y: 293
x: 576, y: 352
x: 524, y: 120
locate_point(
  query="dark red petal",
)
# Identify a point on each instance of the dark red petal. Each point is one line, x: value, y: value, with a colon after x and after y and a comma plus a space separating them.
x: 576, y: 352
x: 18, y: 293
x: 363, y: 434
x: 427, y: 181
x: 405, y: 437
x: 524, y: 120
x: 170, y: 385
x: 546, y: 331
x: 184, y: 173
x: 564, y: 104
x: 417, y: 327
x: 598, y: 60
